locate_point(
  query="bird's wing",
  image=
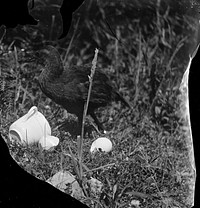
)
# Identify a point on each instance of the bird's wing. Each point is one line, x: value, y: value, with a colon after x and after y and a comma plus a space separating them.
x: 101, y: 87
x: 79, y: 81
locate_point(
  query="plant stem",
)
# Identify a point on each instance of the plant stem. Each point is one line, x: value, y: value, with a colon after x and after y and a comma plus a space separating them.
x: 80, y: 147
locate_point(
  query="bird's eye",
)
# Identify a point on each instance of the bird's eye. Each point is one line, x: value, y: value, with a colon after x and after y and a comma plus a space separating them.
x: 37, y: 54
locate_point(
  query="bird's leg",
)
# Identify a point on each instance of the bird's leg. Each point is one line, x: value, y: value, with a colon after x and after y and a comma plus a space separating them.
x: 80, y: 123
x: 100, y: 125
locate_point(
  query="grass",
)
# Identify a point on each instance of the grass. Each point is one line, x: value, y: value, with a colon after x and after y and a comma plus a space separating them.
x: 150, y: 164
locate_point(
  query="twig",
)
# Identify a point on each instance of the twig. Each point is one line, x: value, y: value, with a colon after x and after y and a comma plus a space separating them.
x: 52, y: 25
x: 138, y: 71
x: 3, y: 35
x: 179, y: 45
x: 70, y: 43
x: 78, y: 172
x: 99, y: 168
x: 94, y: 62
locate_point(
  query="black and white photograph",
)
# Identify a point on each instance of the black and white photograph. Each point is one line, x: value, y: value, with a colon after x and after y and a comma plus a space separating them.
x: 94, y: 104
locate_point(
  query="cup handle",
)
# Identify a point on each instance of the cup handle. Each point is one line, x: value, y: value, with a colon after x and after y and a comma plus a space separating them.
x: 31, y: 112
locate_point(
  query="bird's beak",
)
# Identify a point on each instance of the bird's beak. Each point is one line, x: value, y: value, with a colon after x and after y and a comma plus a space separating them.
x: 34, y: 58
x: 31, y: 58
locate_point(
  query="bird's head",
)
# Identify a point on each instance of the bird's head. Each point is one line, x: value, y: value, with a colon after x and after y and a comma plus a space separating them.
x: 45, y: 55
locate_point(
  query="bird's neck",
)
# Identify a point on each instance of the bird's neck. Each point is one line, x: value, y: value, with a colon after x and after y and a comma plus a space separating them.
x: 53, y: 68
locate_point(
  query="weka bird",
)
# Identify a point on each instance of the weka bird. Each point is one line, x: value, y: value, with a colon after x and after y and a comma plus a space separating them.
x: 69, y: 87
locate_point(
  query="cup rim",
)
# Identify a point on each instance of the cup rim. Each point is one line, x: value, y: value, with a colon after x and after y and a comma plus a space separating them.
x: 20, y: 135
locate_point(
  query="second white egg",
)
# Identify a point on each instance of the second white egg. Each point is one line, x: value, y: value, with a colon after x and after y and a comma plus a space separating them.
x: 101, y: 144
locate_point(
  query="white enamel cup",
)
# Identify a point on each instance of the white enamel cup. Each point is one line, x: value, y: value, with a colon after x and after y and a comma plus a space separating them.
x: 30, y: 128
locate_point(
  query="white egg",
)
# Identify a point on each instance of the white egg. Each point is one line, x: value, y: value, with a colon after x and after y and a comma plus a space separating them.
x: 101, y: 144
x: 47, y: 142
